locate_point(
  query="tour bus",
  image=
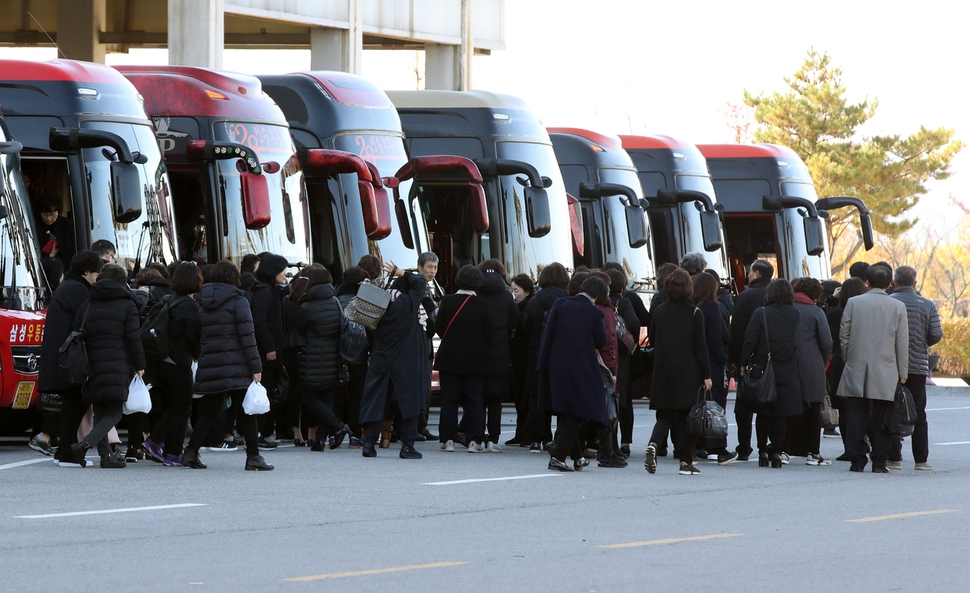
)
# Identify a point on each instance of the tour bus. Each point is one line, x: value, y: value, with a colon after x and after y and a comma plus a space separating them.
x: 86, y: 139
x: 595, y: 168
x: 527, y: 224
x: 683, y: 205
x: 349, y: 136
x: 23, y: 288
x: 771, y: 210
x: 237, y: 184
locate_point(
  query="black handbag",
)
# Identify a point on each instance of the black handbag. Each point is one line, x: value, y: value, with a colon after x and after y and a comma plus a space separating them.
x: 900, y: 421
x: 72, y: 356
x: 281, y: 391
x: 707, y: 418
x: 757, y: 385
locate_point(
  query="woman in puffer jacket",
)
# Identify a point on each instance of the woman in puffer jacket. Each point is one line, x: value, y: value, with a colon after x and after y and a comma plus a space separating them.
x: 228, y: 363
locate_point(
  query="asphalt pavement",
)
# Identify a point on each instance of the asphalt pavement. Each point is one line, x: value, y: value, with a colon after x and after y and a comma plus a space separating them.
x: 336, y: 521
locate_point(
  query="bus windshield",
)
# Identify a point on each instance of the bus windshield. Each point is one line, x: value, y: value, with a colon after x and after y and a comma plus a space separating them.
x: 801, y: 263
x: 690, y: 221
x: 23, y: 284
x: 150, y: 237
x: 637, y: 262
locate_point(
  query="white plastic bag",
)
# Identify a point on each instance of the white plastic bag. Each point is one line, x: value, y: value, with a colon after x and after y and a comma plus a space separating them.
x: 139, y: 399
x: 256, y: 402
x: 195, y: 368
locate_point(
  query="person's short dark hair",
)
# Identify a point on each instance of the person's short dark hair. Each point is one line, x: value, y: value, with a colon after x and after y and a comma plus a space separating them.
x: 353, y: 276
x: 103, y: 247
x: 879, y: 276
x: 270, y: 267
x: 779, y: 292
x: 146, y: 276
x: 372, y: 265
x: 764, y: 268
x: 525, y: 283
x: 679, y: 285
x: 316, y: 276
x: 171, y: 268
x: 493, y: 265
x: 53, y: 270
x: 596, y: 289
x: 50, y: 203
x: 884, y: 264
x: 693, y: 263
x: 162, y: 269
x: 554, y: 274
x: 612, y: 265
x: 225, y: 272
x: 905, y: 276
x: 428, y: 256
x: 618, y: 282
x: 831, y: 286
x: 705, y: 288
x: 606, y: 278
x: 575, y: 285
x: 851, y: 288
x: 206, y: 270
x: 581, y: 268
x: 113, y: 272
x: 858, y: 270
x: 187, y: 278
x: 715, y: 275
x: 810, y: 287
x: 86, y: 261
x: 468, y: 278
x: 662, y: 273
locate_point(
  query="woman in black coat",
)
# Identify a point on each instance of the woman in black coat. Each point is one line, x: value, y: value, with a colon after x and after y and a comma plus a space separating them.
x: 571, y: 381
x: 812, y: 351
x: 113, y: 343
x: 718, y: 337
x: 504, y: 317
x: 462, y: 361
x: 319, y: 320
x: 852, y: 287
x: 680, y: 367
x: 292, y: 347
x: 552, y: 286
x: 781, y: 319
x: 268, y: 325
x: 398, y: 358
x: 229, y: 361
x: 624, y: 309
x: 522, y: 291
x: 347, y: 405
x: 172, y: 377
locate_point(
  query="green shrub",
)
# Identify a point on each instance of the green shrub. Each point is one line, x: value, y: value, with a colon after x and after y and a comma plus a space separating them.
x: 954, y: 350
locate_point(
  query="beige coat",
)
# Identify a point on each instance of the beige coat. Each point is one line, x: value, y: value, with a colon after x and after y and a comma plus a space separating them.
x: 874, y: 337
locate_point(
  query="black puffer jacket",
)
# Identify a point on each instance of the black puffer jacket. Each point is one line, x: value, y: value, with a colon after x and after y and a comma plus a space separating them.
x: 268, y: 321
x: 318, y: 321
x: 68, y: 298
x: 229, y: 357
x: 112, y: 340
x: 503, y: 316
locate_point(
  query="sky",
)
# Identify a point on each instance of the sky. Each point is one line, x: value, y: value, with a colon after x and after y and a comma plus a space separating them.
x: 642, y: 66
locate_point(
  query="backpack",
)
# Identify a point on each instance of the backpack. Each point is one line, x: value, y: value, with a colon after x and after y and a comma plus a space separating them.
x: 155, y: 330
x: 72, y: 358
x: 353, y: 338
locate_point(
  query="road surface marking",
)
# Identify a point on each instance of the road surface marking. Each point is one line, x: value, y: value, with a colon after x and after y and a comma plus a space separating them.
x: 901, y: 516
x: 360, y: 573
x: 945, y: 409
x: 28, y: 462
x: 491, y: 479
x: 675, y: 540
x: 953, y: 443
x: 110, y: 511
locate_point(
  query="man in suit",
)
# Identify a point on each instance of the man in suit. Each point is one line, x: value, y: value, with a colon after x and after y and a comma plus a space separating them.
x: 874, y: 338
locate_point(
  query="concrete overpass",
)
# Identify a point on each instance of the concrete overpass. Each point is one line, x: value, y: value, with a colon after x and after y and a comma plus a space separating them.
x: 335, y: 31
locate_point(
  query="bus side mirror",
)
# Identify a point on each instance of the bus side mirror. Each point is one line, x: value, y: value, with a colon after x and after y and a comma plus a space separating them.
x: 368, y: 207
x: 537, y: 211
x: 10, y: 147
x: 636, y: 226
x: 710, y: 227
x: 476, y: 193
x: 255, y: 196
x: 403, y: 223
x: 814, y: 236
x: 383, y: 214
x: 125, y: 192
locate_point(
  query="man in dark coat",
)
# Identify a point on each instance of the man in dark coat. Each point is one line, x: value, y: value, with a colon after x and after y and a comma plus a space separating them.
x: 113, y: 344
x: 67, y: 300
x: 744, y: 307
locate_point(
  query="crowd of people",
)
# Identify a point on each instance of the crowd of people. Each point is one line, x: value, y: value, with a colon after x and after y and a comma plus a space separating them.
x: 575, y: 345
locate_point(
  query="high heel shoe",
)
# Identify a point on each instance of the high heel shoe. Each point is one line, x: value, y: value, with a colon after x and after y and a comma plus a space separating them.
x: 776, y: 461
x: 762, y: 459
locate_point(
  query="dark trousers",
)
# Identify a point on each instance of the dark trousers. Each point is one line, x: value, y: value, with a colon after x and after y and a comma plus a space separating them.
x: 211, y: 408
x: 921, y: 444
x: 771, y: 429
x: 320, y: 403
x: 521, y: 400
x: 174, y: 385
x: 72, y: 411
x: 266, y: 423
x: 540, y: 422
x: 347, y: 404
x: 676, y: 421
x: 493, y: 419
x: 106, y: 416
x: 372, y: 431
x: 567, y: 438
x: 468, y: 389
x: 865, y: 417
x: 743, y: 419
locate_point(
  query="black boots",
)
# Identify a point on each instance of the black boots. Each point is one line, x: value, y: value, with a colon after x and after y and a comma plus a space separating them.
x: 257, y: 463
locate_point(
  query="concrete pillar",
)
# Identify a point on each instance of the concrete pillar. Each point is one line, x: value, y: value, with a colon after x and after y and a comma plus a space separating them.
x: 79, y: 24
x: 339, y: 49
x: 196, y: 33
x: 466, y: 50
x: 448, y: 67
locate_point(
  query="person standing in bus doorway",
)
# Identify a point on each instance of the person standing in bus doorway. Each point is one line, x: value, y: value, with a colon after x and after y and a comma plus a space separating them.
x: 746, y: 304
x: 56, y: 232
x: 113, y: 343
x: 106, y: 249
x: 267, y: 303
x: 67, y: 300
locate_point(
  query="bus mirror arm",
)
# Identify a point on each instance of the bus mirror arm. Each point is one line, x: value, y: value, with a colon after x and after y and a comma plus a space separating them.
x: 73, y: 139
x: 202, y: 150
x: 775, y: 203
x: 865, y: 220
x: 669, y: 197
x: 602, y: 190
x: 498, y: 167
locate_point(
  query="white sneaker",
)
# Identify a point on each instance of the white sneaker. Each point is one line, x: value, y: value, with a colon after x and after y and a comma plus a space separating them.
x: 494, y: 448
x: 474, y: 447
x: 448, y: 446
x: 924, y: 467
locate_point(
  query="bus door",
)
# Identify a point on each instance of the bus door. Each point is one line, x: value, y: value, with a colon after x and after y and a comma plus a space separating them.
x: 49, y: 176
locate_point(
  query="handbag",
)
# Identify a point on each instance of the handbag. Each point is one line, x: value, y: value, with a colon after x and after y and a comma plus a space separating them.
x: 281, y: 391
x: 256, y: 402
x: 828, y: 415
x: 706, y: 418
x: 369, y: 306
x: 623, y: 335
x: 900, y: 421
x: 72, y: 356
x: 757, y: 386
x: 139, y: 397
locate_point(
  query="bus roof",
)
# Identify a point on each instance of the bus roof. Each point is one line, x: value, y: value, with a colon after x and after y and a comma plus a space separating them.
x: 199, y: 92
x: 456, y: 100
x: 746, y: 151
x: 610, y: 141
x: 653, y: 142
x: 350, y: 89
x: 59, y: 71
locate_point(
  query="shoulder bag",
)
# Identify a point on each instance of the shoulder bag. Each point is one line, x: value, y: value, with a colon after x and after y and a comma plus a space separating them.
x: 828, y: 415
x: 369, y: 306
x: 623, y: 335
x: 706, y: 418
x: 900, y: 421
x: 353, y: 337
x: 757, y: 386
x: 72, y: 356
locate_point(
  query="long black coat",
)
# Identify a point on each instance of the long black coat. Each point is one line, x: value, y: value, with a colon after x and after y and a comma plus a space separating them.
x: 744, y: 307
x: 229, y: 357
x: 465, y: 329
x: 318, y: 322
x: 782, y: 328
x: 267, y: 307
x: 570, y: 378
x: 68, y: 298
x: 504, y: 317
x: 536, y: 313
x: 625, y: 309
x: 680, y: 355
x: 399, y: 357
x: 112, y: 340
x: 716, y: 332
x: 813, y: 348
